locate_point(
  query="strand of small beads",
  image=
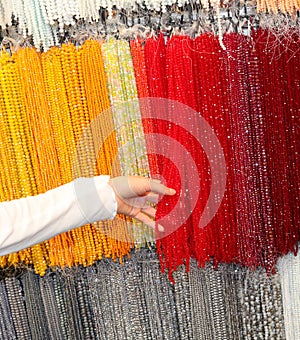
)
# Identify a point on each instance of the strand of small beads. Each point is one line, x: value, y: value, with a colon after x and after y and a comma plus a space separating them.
x: 102, y: 123
x: 37, y: 112
x: 16, y: 145
x: 35, y: 105
x: 48, y: 295
x: 58, y: 109
x: 59, y: 246
x: 180, y: 87
x: 292, y: 121
x: 205, y: 240
x: 212, y: 104
x: 18, y: 125
x: 145, y: 103
x: 155, y: 61
x: 127, y: 120
x: 130, y: 92
x: 5, y: 151
x: 114, y: 86
x: 10, y: 175
x: 154, y: 56
x: 244, y: 182
x: 6, y: 321
x: 261, y: 171
x: 138, y: 59
x: 61, y: 297
x: 35, y: 309
x: 280, y: 136
x: 17, y: 307
x: 71, y: 61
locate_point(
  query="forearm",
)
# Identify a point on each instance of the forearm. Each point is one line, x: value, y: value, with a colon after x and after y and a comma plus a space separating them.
x: 31, y: 220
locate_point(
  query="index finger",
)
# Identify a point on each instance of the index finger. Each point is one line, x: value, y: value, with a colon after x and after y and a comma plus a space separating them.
x: 159, y: 188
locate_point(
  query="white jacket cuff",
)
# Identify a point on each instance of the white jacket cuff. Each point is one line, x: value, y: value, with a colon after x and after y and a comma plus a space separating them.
x: 95, y: 198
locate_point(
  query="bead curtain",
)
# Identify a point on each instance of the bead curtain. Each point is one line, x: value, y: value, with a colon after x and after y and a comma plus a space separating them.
x: 111, y: 87
x: 236, y: 91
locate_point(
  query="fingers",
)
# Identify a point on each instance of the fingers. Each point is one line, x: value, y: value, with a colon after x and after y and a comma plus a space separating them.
x: 145, y: 215
x: 150, y: 211
x: 159, y: 188
x: 148, y: 221
x: 141, y: 186
x: 131, y: 186
x: 152, y: 198
x: 134, y: 192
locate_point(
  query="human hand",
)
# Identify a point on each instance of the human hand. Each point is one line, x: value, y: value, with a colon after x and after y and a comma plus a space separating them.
x: 133, y: 193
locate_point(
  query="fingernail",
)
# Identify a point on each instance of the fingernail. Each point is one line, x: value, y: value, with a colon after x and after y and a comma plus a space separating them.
x: 172, y: 191
x: 160, y: 228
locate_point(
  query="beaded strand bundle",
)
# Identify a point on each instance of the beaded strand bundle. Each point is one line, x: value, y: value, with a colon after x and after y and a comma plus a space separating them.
x: 47, y: 170
x: 127, y: 120
x: 15, y: 142
x: 237, y: 100
x: 113, y: 233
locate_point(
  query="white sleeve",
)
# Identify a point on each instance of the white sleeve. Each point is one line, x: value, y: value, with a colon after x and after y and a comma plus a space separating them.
x: 31, y: 220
